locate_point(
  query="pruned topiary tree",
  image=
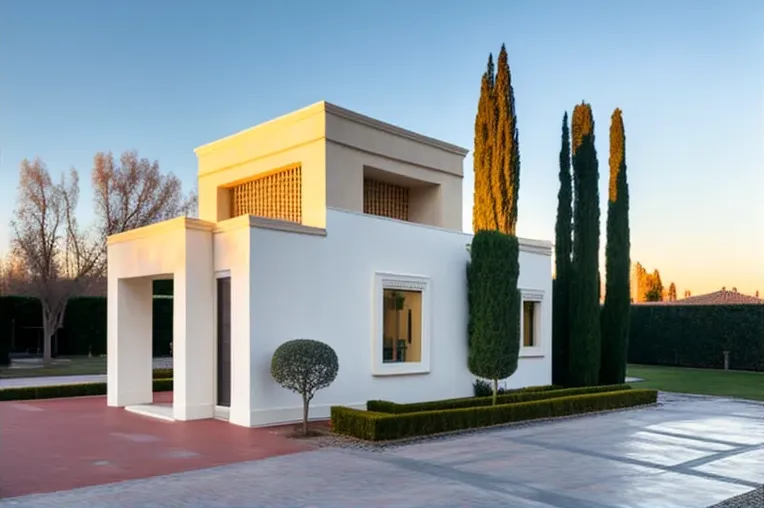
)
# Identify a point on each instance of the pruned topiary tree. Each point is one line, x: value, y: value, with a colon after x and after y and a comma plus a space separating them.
x: 494, y: 306
x: 304, y: 366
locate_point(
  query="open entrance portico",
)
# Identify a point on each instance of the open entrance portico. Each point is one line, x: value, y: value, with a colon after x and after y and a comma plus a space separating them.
x: 182, y: 250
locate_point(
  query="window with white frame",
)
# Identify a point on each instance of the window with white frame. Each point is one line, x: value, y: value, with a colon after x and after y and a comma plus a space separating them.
x: 401, y: 335
x: 530, y: 323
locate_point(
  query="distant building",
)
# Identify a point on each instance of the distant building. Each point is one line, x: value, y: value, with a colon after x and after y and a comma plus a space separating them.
x: 722, y: 297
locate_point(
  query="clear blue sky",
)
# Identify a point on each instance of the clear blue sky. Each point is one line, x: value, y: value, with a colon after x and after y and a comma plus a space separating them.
x: 164, y: 77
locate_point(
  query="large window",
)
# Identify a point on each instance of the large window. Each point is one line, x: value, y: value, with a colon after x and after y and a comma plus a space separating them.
x: 401, y: 339
x: 402, y: 326
x: 531, y: 340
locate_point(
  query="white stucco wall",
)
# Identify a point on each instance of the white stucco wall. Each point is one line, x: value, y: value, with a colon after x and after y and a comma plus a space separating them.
x: 307, y: 286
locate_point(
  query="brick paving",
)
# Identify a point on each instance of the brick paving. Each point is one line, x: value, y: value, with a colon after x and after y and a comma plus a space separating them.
x: 687, y: 453
x: 60, y: 444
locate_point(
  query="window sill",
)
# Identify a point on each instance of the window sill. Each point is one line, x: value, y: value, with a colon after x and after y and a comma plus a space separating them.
x: 532, y: 352
x: 400, y: 369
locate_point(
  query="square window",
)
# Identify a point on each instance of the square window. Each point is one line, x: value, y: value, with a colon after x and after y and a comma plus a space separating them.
x: 401, y: 335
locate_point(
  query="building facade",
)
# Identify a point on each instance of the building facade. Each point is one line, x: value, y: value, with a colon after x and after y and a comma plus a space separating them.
x: 322, y: 224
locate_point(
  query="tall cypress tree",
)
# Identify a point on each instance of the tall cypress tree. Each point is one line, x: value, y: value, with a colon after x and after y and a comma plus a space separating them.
x: 563, y: 247
x: 615, y: 313
x: 584, y: 359
x: 505, y: 170
x: 483, y: 209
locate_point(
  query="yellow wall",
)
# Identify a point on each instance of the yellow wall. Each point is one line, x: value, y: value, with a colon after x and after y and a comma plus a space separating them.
x: 294, y: 138
x: 333, y: 146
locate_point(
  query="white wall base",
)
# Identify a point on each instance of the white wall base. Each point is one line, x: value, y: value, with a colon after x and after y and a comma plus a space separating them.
x: 131, y: 398
x: 285, y: 415
x: 222, y: 413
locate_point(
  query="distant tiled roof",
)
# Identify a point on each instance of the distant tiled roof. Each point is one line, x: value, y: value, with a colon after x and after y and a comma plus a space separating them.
x: 723, y: 297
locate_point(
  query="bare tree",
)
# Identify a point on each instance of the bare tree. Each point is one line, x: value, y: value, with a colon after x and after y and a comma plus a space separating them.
x: 135, y: 193
x: 61, y: 260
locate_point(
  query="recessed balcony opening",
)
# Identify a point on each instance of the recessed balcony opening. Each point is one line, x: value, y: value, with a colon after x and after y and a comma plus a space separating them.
x: 399, y: 197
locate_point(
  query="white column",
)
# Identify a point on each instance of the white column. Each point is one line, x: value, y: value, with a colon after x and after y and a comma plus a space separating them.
x: 193, y: 331
x: 129, y: 354
x: 241, y: 356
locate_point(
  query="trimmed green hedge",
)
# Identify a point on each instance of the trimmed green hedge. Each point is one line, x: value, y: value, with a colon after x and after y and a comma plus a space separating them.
x: 84, y: 329
x: 383, y: 406
x: 162, y: 374
x: 697, y: 335
x: 373, y: 426
x: 78, y: 390
x: 482, y: 388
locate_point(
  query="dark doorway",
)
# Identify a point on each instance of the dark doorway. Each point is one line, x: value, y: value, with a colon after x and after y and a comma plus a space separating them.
x: 224, y: 341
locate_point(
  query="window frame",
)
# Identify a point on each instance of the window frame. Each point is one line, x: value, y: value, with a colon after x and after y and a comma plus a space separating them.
x: 535, y: 296
x: 400, y: 282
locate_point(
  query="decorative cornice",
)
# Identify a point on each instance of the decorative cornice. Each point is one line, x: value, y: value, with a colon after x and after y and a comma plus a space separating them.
x: 160, y: 228
x: 282, y: 225
x: 402, y: 282
x: 352, y: 116
x: 293, y: 116
x: 403, y: 285
x: 541, y: 247
x: 252, y: 221
x: 393, y: 129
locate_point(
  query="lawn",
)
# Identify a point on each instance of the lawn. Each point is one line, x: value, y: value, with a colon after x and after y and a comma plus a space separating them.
x: 741, y: 384
x: 69, y: 366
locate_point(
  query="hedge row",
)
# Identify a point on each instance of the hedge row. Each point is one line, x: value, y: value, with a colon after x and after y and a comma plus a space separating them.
x: 383, y: 406
x: 374, y: 426
x: 78, y: 390
x: 482, y: 388
x: 698, y: 335
x: 84, y: 329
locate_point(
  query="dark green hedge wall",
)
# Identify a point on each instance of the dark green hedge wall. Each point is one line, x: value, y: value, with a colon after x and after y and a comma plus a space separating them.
x: 697, y: 335
x: 84, y: 327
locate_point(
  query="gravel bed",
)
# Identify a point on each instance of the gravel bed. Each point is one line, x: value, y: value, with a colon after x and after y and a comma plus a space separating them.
x: 753, y: 499
x: 335, y: 440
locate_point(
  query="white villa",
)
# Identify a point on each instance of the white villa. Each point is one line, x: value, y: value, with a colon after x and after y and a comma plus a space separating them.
x: 321, y: 224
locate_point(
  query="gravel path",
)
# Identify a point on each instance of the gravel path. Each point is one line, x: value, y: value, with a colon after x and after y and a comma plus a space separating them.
x: 753, y: 499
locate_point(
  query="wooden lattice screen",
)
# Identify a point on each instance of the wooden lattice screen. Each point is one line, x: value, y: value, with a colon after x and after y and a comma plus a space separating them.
x: 276, y: 196
x: 385, y: 199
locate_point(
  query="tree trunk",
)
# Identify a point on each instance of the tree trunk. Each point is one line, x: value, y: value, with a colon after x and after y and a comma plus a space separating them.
x: 305, y: 403
x: 47, y: 334
x: 495, y: 390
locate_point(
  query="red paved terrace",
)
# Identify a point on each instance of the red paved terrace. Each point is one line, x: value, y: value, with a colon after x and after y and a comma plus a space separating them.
x: 61, y: 444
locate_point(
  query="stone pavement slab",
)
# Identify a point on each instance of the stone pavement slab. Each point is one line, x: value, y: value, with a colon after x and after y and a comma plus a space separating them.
x: 714, y: 451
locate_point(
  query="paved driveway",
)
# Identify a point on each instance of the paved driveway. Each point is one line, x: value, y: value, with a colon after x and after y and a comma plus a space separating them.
x: 59, y: 444
x: 689, y: 453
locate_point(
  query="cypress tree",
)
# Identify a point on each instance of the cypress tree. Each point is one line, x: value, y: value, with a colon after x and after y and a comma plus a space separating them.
x: 483, y: 214
x: 505, y: 167
x: 563, y: 246
x: 672, y: 292
x: 615, y: 313
x: 584, y: 359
